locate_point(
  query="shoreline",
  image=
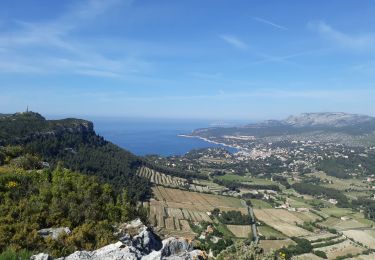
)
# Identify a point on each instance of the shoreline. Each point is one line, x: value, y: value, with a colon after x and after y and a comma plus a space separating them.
x: 210, y: 141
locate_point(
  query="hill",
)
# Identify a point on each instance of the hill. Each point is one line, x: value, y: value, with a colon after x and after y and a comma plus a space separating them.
x: 351, y: 129
x: 75, y: 143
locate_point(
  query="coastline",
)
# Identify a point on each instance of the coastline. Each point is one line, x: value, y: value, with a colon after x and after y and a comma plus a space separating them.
x: 210, y: 141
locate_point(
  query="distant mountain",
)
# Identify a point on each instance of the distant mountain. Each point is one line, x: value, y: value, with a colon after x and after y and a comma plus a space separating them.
x: 334, y: 127
x: 75, y: 143
x: 328, y: 120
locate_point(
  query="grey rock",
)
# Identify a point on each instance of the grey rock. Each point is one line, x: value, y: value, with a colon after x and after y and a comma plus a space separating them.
x: 145, y: 245
x: 41, y: 256
x: 54, y: 232
x: 146, y: 241
x: 175, y: 246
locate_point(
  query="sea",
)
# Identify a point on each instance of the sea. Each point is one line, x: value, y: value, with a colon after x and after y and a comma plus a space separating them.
x: 155, y: 136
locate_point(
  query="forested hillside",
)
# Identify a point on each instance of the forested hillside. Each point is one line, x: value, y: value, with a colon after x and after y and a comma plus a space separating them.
x: 74, y: 143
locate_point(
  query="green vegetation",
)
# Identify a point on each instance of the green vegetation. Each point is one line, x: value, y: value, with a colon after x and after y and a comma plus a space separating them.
x: 320, y: 254
x: 260, y: 204
x: 231, y: 217
x: 30, y: 201
x: 74, y: 143
x: 316, y: 190
x: 303, y: 246
x: 19, y: 255
x: 245, y: 250
x: 269, y: 233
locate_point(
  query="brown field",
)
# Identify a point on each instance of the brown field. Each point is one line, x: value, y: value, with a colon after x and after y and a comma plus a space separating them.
x: 344, y: 224
x: 309, y: 256
x: 240, y: 231
x: 365, y: 237
x: 281, y: 220
x: 269, y: 245
x: 364, y: 257
x: 175, y: 198
x: 173, y: 208
x: 316, y: 237
x: 341, y: 249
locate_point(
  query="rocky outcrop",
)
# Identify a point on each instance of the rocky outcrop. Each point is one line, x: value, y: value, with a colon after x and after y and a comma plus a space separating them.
x: 54, y: 233
x: 137, y: 242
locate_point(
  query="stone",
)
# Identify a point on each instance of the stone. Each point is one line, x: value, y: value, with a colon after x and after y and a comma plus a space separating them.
x: 54, y: 233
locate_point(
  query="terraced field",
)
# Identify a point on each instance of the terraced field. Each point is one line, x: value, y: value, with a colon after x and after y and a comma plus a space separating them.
x: 284, y: 221
x: 341, y: 249
x: 174, y: 208
x: 161, y: 178
x: 165, y: 180
x: 366, y: 237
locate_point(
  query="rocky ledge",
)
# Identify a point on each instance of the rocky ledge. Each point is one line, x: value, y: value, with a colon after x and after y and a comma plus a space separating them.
x: 136, y: 242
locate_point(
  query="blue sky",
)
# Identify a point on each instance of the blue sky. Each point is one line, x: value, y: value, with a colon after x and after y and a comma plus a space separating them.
x: 209, y: 59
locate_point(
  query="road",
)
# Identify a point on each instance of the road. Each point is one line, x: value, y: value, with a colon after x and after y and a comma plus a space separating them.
x: 253, y: 226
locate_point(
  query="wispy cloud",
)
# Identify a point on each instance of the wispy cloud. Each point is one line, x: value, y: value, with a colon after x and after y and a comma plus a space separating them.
x: 234, y: 41
x: 50, y: 47
x: 358, y: 42
x: 221, y: 95
x: 284, y: 58
x: 275, y: 25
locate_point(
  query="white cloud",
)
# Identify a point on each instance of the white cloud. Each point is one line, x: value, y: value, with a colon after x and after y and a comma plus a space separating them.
x: 358, y: 42
x: 234, y: 41
x: 275, y: 25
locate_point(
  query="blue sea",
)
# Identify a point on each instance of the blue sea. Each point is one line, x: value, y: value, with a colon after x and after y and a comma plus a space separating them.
x: 153, y: 136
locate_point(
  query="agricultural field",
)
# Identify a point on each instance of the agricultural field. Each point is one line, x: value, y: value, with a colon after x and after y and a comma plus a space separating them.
x: 341, y: 249
x: 364, y: 257
x: 165, y: 180
x: 173, y: 209
x: 234, y: 177
x: 365, y: 237
x: 269, y: 245
x: 340, y: 225
x: 341, y: 184
x: 240, y: 231
x: 161, y: 178
x: 260, y: 204
x: 269, y: 232
x: 284, y: 221
x: 308, y: 256
x: 321, y: 236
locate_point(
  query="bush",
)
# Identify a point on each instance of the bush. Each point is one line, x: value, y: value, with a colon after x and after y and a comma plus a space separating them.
x: 11, y: 255
x: 320, y: 254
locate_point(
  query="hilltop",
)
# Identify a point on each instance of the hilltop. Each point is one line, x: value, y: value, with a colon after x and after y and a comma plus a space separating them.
x: 74, y: 143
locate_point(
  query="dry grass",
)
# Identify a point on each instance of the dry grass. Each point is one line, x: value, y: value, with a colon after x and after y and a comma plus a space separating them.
x: 341, y: 249
x: 281, y: 220
x: 269, y: 245
x: 240, y: 231
x: 365, y: 237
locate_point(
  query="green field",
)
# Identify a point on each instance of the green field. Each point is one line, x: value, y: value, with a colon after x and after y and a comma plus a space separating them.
x: 260, y: 204
x: 269, y: 232
x: 337, y: 212
x: 234, y: 177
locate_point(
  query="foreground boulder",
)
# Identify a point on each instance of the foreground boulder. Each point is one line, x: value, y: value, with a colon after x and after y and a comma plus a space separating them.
x: 137, y: 242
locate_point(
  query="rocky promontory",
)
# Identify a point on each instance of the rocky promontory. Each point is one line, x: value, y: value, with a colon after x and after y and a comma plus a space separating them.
x: 137, y: 242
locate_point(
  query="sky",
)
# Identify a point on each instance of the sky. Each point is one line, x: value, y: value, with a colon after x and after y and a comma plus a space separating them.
x: 203, y: 59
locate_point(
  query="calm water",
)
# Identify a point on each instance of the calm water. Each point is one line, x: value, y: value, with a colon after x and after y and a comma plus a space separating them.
x: 142, y: 136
